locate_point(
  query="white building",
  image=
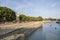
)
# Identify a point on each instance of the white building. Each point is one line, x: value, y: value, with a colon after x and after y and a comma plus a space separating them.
x: 17, y: 17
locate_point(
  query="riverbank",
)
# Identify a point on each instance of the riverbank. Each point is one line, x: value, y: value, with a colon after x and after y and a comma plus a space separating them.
x: 21, y: 25
x: 20, y: 28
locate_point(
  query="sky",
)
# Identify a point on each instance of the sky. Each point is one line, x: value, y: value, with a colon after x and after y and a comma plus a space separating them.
x: 44, y: 8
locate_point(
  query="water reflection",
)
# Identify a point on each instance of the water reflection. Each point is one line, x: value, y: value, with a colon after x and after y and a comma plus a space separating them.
x: 50, y: 31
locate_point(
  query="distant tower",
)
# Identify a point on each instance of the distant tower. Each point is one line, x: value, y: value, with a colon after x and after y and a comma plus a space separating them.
x: 17, y: 17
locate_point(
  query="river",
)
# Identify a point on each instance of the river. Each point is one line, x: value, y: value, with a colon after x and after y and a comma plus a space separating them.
x: 49, y: 31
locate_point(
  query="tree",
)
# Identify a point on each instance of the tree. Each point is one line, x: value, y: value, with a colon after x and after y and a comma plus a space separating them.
x: 39, y: 18
x: 7, y: 14
x: 22, y: 17
x: 50, y: 18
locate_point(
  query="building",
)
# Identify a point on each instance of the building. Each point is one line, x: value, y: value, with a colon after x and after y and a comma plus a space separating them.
x: 17, y: 17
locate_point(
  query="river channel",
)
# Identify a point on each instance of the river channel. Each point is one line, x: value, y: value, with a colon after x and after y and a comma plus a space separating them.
x: 49, y: 31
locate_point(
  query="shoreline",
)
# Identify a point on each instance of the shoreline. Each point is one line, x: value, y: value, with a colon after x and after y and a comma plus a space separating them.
x: 22, y: 25
x: 27, y: 29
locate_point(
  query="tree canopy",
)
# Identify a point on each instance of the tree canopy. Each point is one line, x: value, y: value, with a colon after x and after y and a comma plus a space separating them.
x: 7, y: 14
x: 23, y: 17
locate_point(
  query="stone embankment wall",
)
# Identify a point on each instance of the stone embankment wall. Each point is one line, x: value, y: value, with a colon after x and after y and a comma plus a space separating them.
x: 21, y: 30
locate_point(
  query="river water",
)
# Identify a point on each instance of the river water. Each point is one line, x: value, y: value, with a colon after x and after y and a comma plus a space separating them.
x: 49, y: 31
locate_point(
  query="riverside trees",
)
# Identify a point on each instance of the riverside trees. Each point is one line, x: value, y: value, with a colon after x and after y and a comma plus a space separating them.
x: 23, y: 17
x: 7, y: 14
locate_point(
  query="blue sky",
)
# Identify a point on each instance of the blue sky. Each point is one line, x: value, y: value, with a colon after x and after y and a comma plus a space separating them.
x: 44, y: 8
